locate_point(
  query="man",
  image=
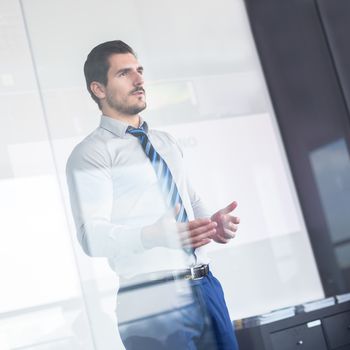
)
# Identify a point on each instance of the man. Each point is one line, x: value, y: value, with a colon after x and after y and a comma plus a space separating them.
x: 132, y: 203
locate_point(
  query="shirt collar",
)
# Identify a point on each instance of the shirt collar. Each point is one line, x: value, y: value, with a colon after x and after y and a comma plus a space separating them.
x: 118, y: 127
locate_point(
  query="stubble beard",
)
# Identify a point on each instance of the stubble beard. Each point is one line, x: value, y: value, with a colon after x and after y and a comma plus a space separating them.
x: 123, y: 107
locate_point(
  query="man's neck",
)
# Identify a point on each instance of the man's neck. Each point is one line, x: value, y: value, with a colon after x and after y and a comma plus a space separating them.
x: 133, y: 120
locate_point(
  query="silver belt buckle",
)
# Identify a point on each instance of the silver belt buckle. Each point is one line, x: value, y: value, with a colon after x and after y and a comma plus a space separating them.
x: 193, y: 270
x: 193, y: 273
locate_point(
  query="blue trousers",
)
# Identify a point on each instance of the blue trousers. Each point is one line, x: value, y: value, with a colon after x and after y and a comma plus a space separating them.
x: 202, y: 323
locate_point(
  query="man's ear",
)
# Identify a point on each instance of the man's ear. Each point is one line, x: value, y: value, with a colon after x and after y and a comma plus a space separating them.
x: 98, y: 89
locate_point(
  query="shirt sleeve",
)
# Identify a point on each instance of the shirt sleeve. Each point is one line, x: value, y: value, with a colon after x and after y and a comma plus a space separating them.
x: 89, y: 180
x: 200, y: 211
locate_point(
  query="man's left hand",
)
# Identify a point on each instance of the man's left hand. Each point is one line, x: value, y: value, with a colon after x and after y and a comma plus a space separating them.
x: 227, y: 225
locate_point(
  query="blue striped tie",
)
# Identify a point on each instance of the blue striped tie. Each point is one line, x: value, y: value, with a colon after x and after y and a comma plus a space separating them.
x: 166, y: 180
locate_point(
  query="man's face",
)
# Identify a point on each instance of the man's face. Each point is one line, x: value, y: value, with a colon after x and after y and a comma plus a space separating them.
x: 124, y: 90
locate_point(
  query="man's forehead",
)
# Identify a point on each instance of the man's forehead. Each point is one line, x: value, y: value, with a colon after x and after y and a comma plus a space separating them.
x: 122, y: 60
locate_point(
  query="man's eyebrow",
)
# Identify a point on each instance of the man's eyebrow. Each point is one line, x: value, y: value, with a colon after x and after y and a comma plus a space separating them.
x: 122, y: 70
x: 125, y: 70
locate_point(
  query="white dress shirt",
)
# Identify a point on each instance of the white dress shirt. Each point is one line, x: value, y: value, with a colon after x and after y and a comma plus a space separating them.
x: 114, y: 193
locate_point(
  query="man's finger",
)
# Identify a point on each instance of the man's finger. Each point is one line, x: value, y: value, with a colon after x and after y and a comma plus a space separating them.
x: 198, y: 223
x: 232, y: 227
x: 232, y: 206
x: 191, y: 225
x: 229, y: 234
x: 202, y: 229
x: 236, y: 220
x: 220, y: 239
x: 198, y: 244
x: 230, y: 224
x: 198, y: 231
x: 191, y: 241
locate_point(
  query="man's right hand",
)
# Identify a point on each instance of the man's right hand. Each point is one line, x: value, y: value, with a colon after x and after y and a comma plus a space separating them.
x: 166, y: 232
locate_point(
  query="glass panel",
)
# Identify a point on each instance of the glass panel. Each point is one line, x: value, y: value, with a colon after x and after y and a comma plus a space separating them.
x: 343, y: 255
x: 331, y: 166
x: 204, y: 86
x: 41, y: 300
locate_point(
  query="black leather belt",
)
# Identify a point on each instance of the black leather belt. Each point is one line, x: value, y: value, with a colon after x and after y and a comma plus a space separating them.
x: 191, y: 274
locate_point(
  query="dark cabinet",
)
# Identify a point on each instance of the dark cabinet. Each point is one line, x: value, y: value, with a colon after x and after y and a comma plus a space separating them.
x: 300, y: 337
x: 323, y: 329
x: 337, y: 330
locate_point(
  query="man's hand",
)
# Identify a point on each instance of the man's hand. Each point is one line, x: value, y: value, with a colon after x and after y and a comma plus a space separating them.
x: 166, y: 232
x: 196, y: 233
x: 227, y: 225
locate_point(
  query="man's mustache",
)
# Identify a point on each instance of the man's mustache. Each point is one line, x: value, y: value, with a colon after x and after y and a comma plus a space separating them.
x: 137, y: 89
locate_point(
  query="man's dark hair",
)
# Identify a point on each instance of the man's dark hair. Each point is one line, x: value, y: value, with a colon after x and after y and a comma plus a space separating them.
x: 96, y: 65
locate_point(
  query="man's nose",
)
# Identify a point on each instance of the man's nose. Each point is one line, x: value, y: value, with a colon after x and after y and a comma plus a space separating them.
x: 138, y: 79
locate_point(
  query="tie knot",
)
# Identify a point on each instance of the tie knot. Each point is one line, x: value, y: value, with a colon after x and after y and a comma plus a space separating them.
x: 137, y: 132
